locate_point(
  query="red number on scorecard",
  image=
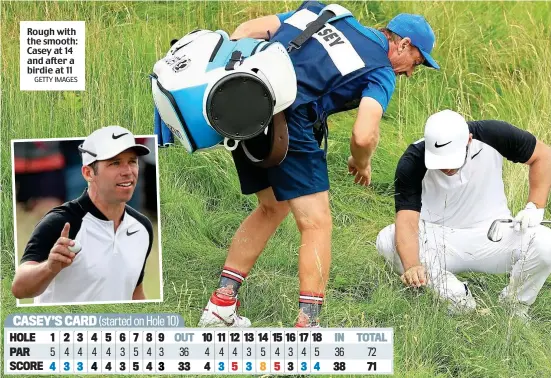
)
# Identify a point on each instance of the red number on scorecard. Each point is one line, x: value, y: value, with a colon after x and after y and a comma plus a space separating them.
x: 277, y: 366
x: 234, y: 366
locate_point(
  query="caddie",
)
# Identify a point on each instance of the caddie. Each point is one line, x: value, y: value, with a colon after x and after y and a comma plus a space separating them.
x: 448, y: 192
x: 341, y: 66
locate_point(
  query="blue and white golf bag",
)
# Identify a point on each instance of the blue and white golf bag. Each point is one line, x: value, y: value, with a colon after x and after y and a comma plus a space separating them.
x: 210, y: 90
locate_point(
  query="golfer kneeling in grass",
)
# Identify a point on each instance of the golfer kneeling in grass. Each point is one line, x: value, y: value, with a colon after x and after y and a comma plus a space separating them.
x: 448, y: 191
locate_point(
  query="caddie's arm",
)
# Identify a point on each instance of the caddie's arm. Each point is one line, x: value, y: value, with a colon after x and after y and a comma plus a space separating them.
x: 375, y: 99
x: 365, y: 132
x: 45, y: 256
x: 260, y: 28
x: 540, y: 175
x: 410, y: 172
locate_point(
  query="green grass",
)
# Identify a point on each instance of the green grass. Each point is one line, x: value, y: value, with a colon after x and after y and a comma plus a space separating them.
x: 495, y: 64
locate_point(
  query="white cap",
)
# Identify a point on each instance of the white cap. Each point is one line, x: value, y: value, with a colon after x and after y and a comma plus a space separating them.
x: 446, y: 140
x: 108, y: 142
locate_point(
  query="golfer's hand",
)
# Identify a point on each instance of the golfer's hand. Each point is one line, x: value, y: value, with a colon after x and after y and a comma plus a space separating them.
x: 531, y: 216
x: 414, y: 276
x: 60, y: 257
x: 362, y: 174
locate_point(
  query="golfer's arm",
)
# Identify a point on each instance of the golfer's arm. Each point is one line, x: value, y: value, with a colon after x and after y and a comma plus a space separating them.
x: 139, y: 293
x: 261, y: 28
x: 540, y: 175
x: 407, y: 238
x: 31, y: 279
x: 365, y: 133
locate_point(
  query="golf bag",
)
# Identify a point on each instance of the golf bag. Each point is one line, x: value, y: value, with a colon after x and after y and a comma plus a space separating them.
x: 209, y: 90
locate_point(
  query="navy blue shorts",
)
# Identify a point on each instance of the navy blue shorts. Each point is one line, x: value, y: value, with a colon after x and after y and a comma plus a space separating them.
x: 302, y: 172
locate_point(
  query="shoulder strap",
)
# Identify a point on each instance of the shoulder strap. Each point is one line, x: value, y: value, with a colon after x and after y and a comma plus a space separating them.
x: 314, y: 27
x: 277, y: 143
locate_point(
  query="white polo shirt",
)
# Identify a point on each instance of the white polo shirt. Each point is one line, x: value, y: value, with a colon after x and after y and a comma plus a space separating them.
x: 475, y: 195
x: 110, y: 265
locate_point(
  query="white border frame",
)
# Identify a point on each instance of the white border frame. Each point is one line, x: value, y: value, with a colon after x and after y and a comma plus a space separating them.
x: 14, y: 206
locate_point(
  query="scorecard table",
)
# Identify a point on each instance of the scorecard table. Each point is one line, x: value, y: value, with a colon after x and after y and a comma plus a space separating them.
x: 160, y: 344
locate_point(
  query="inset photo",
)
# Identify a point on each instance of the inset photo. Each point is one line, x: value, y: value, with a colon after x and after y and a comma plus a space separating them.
x: 86, y: 219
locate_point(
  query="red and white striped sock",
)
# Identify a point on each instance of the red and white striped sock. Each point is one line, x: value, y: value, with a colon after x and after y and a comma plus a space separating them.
x: 231, y: 279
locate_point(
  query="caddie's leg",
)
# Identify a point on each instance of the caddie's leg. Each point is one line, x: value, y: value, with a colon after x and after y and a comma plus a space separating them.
x: 247, y: 244
x: 313, y: 218
x: 302, y: 179
x: 531, y: 264
x: 440, y: 259
x: 254, y: 232
x: 251, y: 238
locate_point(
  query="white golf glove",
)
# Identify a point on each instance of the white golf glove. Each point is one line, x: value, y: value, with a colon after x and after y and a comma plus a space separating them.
x: 531, y: 216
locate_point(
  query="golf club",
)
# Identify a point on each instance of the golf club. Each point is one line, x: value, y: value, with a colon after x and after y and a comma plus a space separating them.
x: 494, y: 233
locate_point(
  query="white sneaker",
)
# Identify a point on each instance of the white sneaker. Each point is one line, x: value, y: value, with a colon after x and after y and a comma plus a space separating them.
x: 520, y: 311
x: 463, y: 304
x: 221, y: 311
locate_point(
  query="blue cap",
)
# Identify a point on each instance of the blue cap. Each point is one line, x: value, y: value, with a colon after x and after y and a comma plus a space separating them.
x: 419, y: 31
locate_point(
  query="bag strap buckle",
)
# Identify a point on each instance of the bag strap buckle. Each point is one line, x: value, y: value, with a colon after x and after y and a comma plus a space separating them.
x: 293, y: 46
x: 234, y: 59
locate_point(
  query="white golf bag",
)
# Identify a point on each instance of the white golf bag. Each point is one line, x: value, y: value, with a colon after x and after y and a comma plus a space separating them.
x: 209, y: 89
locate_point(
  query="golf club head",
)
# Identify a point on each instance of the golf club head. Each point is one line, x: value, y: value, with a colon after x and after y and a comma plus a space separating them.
x: 494, y: 233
